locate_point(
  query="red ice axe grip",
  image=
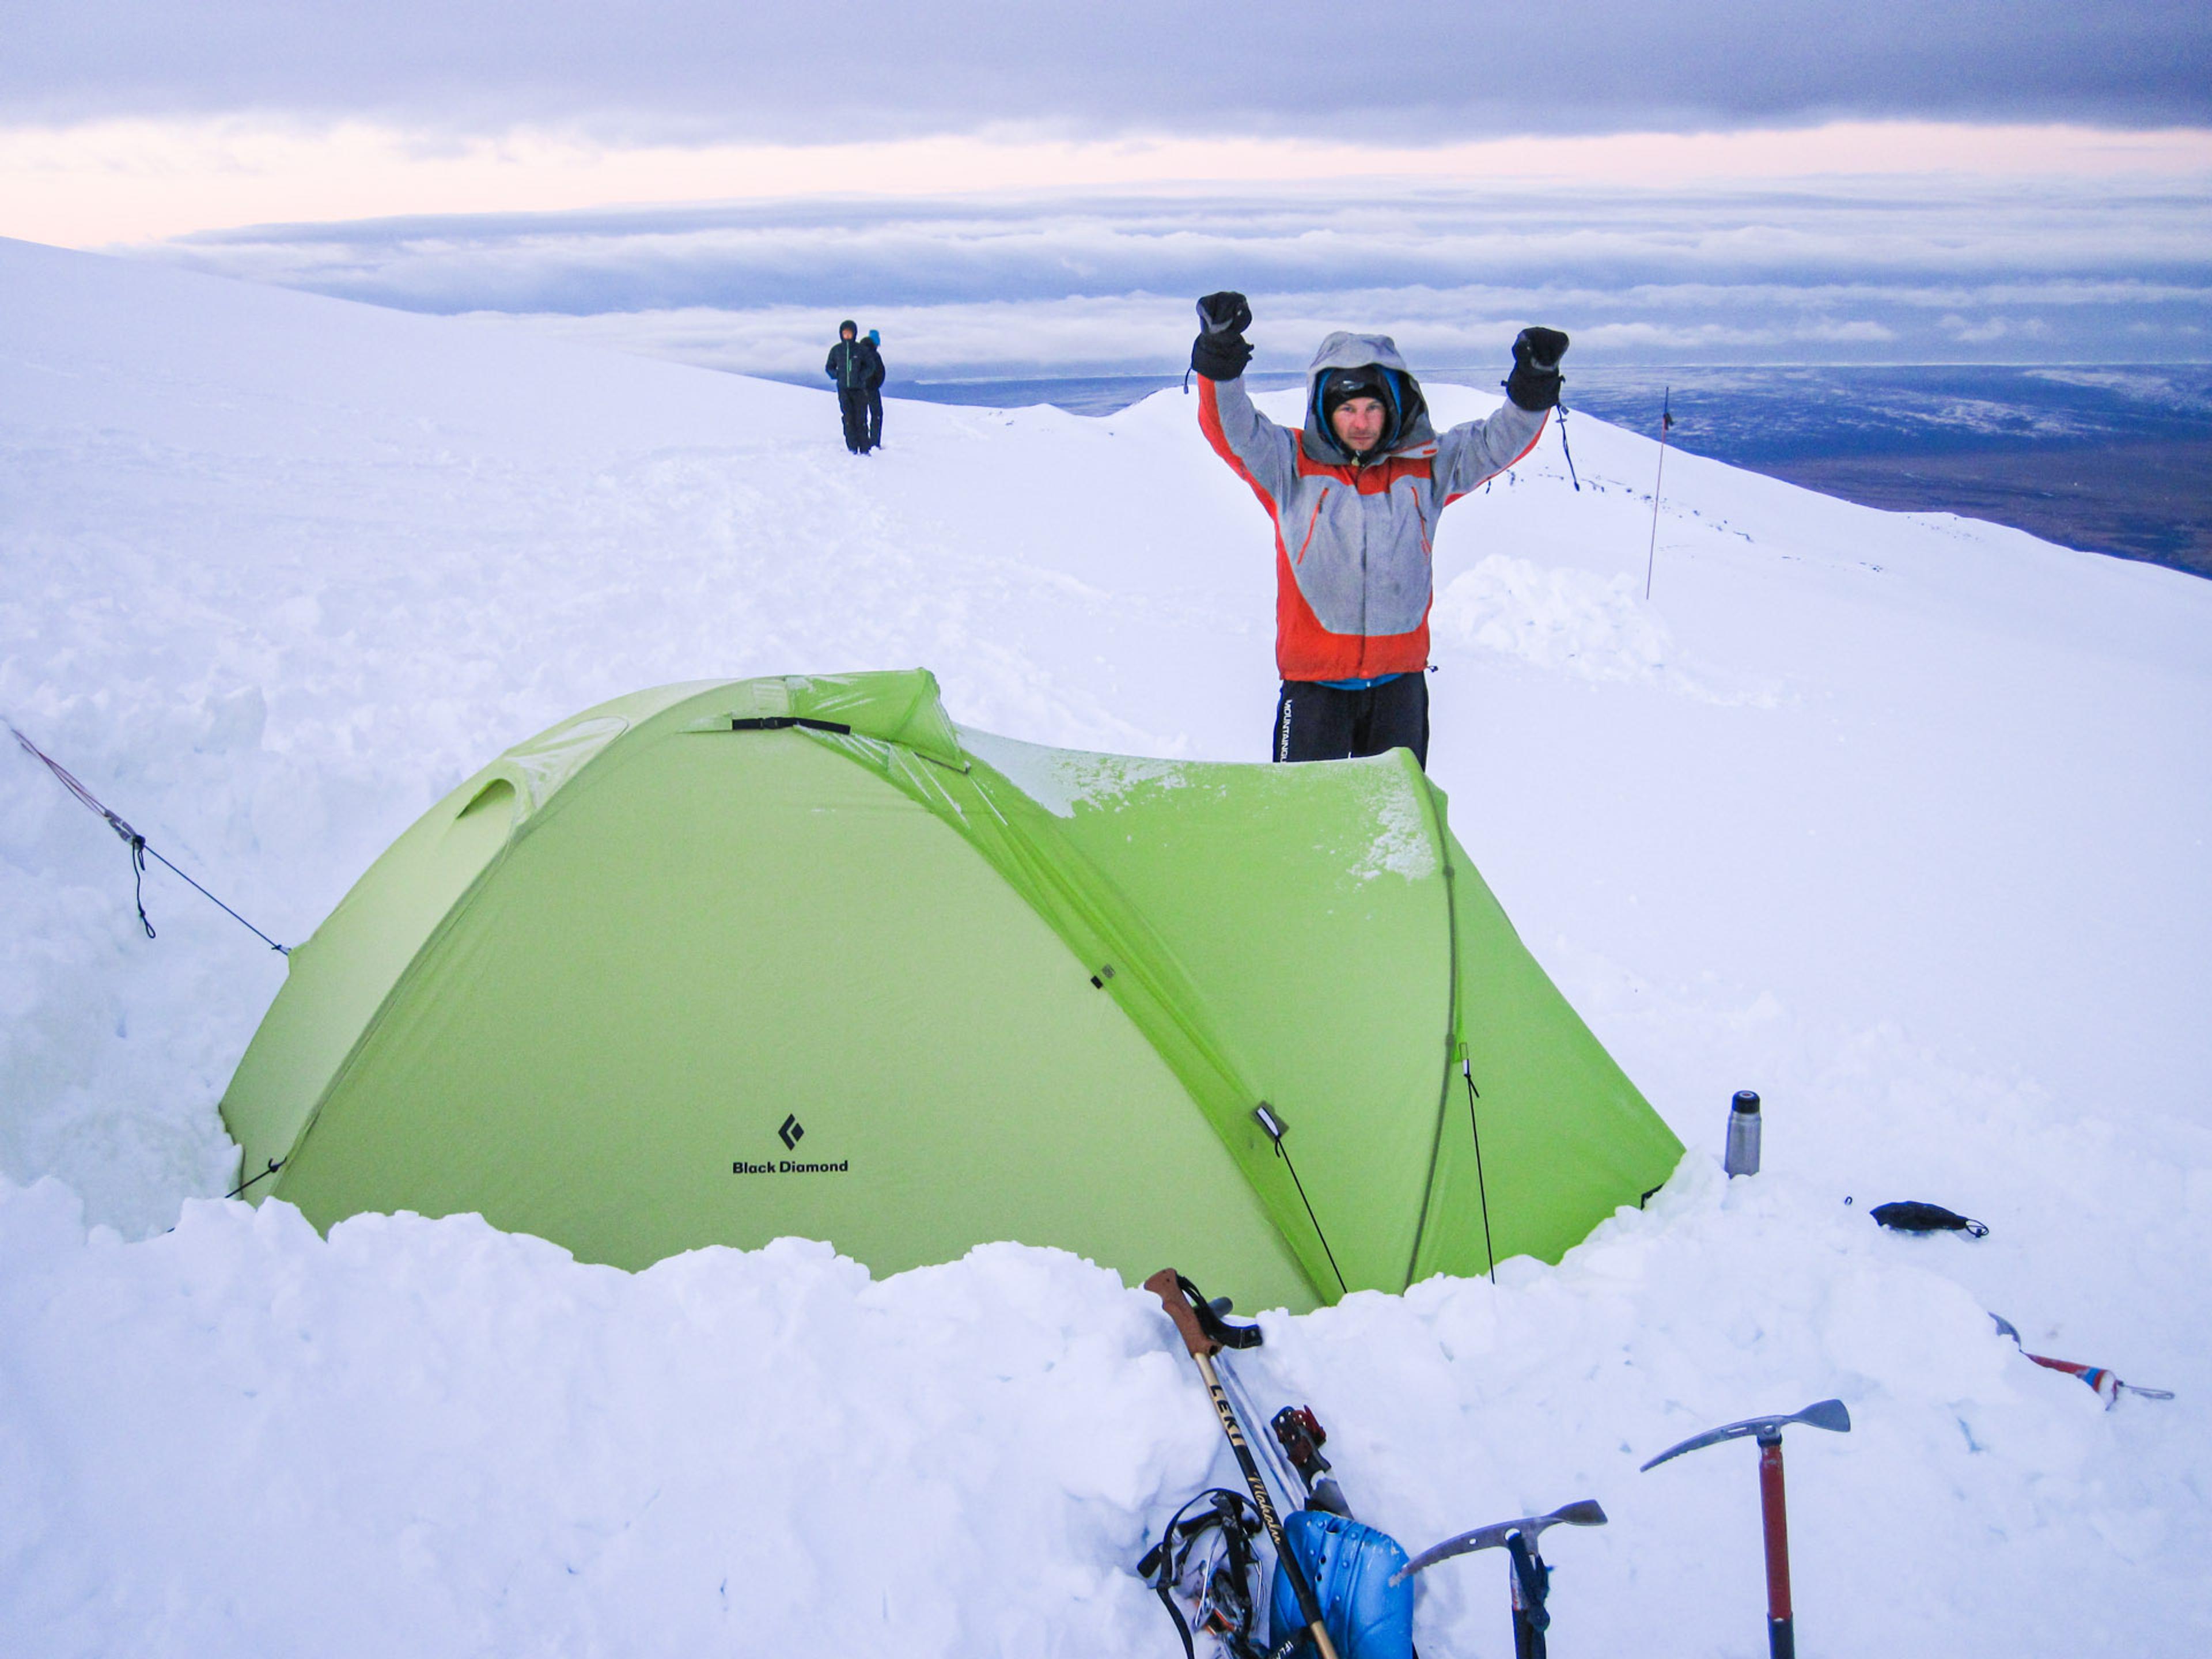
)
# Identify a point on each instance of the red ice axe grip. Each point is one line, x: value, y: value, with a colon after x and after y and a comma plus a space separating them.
x: 1774, y: 1518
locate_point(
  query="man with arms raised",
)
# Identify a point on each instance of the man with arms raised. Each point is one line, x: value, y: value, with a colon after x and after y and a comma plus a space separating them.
x: 1354, y: 494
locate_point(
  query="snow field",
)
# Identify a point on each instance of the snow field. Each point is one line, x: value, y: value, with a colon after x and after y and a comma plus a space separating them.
x: 1899, y: 820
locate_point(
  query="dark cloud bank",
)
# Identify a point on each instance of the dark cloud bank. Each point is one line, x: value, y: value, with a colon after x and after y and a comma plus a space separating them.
x: 863, y: 68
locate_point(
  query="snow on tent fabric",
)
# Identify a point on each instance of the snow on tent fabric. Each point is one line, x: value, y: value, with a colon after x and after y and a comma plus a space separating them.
x: 723, y: 961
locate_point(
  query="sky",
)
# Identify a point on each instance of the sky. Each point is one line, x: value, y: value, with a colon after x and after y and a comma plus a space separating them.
x: 1009, y: 189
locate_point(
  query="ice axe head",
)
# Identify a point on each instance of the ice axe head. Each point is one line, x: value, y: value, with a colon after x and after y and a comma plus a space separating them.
x: 1496, y: 1536
x: 1828, y: 1414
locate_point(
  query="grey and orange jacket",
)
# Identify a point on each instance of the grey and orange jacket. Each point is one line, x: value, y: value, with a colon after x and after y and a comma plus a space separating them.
x: 1353, y: 537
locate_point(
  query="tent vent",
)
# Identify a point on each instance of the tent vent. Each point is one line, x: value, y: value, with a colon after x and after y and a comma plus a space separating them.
x: 496, y: 793
x: 777, y: 722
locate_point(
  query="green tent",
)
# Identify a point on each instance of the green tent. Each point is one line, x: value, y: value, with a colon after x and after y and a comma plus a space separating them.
x: 723, y: 961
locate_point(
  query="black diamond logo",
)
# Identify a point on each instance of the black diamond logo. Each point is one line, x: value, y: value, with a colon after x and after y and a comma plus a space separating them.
x: 793, y: 1131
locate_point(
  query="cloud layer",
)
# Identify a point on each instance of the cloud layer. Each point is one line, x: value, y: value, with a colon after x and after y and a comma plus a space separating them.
x: 846, y: 70
x: 1883, y: 271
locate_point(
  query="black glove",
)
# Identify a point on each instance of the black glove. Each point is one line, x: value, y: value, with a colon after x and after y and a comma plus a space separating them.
x: 1221, y: 357
x: 1226, y: 313
x: 1534, y: 383
x: 1221, y: 351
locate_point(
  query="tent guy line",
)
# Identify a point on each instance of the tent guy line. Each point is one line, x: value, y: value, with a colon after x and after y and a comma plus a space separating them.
x: 140, y: 852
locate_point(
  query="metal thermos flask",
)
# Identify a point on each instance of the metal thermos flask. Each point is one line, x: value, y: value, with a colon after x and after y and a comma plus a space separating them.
x: 1742, y: 1158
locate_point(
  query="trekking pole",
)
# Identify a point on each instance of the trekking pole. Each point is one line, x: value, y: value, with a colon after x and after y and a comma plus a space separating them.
x: 1204, y: 1335
x: 1528, y: 1581
x: 1666, y: 420
x: 1781, y: 1634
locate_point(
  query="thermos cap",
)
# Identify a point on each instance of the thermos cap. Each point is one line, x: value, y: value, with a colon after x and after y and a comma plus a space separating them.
x: 1746, y: 1101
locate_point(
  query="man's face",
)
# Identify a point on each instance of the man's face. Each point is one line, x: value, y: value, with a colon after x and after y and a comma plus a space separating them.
x: 844, y: 333
x: 1358, y: 423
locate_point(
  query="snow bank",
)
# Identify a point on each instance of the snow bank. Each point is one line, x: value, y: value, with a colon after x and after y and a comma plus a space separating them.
x: 430, y: 1437
x: 1901, y: 820
x: 435, y: 1438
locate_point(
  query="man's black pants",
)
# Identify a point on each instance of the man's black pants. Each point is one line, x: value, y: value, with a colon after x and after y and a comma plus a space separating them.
x: 875, y: 417
x: 853, y: 405
x: 1319, y: 722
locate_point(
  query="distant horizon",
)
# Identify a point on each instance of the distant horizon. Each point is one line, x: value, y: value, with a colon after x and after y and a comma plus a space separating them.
x: 1931, y: 363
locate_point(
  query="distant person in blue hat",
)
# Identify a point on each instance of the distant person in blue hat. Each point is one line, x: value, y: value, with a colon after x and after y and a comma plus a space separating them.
x: 1354, y: 494
x: 876, y: 393
x: 854, y: 369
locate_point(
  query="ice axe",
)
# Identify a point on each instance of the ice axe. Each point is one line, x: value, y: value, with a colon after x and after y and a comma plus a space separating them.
x: 2109, y: 1387
x: 1781, y: 1636
x: 1529, y: 1579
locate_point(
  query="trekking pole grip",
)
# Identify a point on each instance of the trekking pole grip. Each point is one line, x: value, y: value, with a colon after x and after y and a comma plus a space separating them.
x: 1167, y: 1284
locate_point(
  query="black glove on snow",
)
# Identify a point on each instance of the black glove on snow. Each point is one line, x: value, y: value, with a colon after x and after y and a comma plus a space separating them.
x: 1534, y: 382
x: 1221, y: 351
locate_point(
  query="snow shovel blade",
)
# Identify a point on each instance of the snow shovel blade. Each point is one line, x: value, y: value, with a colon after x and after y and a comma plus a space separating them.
x: 1586, y: 1513
x: 1829, y: 1414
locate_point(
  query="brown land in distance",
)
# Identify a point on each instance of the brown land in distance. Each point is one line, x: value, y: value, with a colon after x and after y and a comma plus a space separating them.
x: 2138, y: 501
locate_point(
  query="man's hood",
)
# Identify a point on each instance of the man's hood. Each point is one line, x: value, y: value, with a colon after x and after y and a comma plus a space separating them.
x: 1408, y: 432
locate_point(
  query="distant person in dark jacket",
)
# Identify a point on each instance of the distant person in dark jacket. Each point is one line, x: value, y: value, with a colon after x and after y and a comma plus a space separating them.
x: 876, y: 393
x: 853, y: 368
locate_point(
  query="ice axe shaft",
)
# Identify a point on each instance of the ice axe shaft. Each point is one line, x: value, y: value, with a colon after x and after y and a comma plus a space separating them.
x: 1774, y: 1523
x: 1830, y: 1414
x: 1177, y: 1295
x: 1528, y: 1582
x: 1526, y: 1578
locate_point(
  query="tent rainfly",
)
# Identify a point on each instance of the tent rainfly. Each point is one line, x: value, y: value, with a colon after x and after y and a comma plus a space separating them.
x: 726, y: 960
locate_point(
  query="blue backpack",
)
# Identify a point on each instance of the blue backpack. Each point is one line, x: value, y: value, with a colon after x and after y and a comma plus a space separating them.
x: 1350, y: 1566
